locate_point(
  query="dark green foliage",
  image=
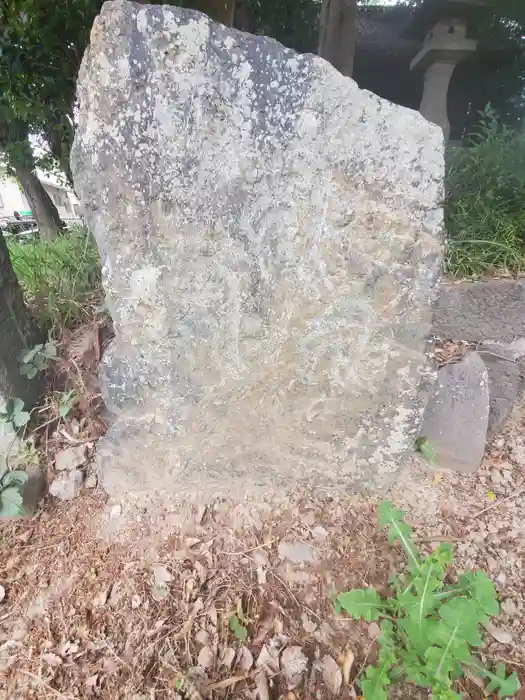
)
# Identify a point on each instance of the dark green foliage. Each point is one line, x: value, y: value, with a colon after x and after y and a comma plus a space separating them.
x: 60, y: 278
x: 429, y: 627
x: 485, y: 203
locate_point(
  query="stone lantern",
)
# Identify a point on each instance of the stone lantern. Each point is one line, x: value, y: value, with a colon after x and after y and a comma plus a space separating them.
x: 446, y: 44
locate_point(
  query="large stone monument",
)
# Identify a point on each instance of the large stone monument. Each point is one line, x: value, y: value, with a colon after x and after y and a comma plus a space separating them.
x: 271, y: 238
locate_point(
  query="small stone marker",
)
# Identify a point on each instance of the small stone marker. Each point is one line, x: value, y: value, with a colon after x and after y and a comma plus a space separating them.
x: 271, y: 238
x: 504, y: 384
x: 456, y: 418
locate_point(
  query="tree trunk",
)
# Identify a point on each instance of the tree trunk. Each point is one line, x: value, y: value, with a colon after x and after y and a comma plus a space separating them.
x: 19, y: 333
x: 337, y: 34
x: 44, y: 211
x: 60, y: 140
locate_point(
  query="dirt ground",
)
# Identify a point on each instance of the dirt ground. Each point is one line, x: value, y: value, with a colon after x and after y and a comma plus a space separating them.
x: 82, y: 617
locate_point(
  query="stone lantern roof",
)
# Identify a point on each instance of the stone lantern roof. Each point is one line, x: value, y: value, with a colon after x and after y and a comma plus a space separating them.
x: 431, y: 12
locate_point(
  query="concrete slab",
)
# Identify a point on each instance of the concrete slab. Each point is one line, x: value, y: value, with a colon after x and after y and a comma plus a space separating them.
x: 478, y: 311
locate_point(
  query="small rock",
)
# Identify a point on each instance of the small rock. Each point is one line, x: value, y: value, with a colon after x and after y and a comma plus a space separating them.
x: 293, y: 664
x: 2, y: 593
x: 501, y: 636
x: 91, y: 481
x: 161, y: 579
x: 319, y: 533
x: 296, y: 552
x: 67, y: 486
x: 116, y: 511
x: 496, y: 476
x: 136, y: 601
x: 373, y: 630
x: 70, y: 458
x: 501, y: 578
x: 509, y: 607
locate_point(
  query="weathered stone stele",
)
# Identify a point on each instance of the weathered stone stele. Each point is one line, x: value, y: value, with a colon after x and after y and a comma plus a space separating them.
x: 271, y: 238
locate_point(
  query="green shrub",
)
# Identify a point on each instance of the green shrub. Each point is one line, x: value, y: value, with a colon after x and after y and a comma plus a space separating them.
x: 485, y: 202
x: 432, y: 624
x: 60, y: 278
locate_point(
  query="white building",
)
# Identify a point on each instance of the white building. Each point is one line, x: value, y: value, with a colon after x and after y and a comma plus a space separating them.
x: 12, y: 197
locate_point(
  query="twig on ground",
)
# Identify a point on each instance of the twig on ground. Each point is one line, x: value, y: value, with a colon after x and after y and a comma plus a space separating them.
x: 45, y: 685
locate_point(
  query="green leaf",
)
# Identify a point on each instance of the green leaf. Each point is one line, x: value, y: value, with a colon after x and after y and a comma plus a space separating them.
x: 362, y: 603
x: 15, y: 478
x: 481, y: 590
x: 20, y: 418
x: 424, y: 447
x: 499, y: 681
x: 376, y: 680
x: 49, y: 350
x: 31, y: 371
x: 398, y: 530
x: 441, y: 692
x: 459, y: 614
x: 237, y: 628
x: 67, y: 402
x: 30, y: 354
x: 16, y: 405
x: 11, y: 502
x: 419, y: 632
x: 442, y: 664
x: 41, y: 362
x: 415, y: 669
x: 442, y: 554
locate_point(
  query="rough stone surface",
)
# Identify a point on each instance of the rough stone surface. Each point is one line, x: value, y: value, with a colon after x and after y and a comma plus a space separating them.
x: 70, y: 458
x: 479, y: 311
x: 271, y: 238
x: 67, y: 486
x: 456, y: 417
x: 504, y: 384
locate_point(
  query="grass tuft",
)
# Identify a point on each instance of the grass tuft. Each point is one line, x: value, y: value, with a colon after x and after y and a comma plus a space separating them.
x: 485, y: 204
x: 60, y: 278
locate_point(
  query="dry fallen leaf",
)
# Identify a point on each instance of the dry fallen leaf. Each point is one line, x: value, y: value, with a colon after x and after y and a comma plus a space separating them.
x: 227, y: 657
x: 2, y: 593
x: 206, y: 658
x: 347, y: 666
x: 136, y: 601
x: 101, y: 598
x: 261, y: 682
x: 264, y: 626
x: 244, y: 659
x: 52, y: 659
x: 331, y: 673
